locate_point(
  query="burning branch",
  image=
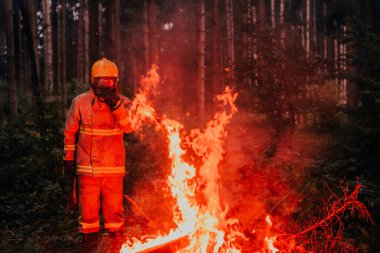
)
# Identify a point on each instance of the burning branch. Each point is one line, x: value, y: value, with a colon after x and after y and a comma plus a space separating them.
x: 334, y: 209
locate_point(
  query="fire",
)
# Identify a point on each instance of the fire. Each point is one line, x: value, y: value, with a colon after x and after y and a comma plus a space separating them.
x: 205, y: 224
x: 199, y: 215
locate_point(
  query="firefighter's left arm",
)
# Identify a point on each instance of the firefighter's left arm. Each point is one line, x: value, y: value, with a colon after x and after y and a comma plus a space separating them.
x: 122, y: 114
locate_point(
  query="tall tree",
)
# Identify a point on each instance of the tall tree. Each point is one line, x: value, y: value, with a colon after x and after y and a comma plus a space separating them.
x: 11, y: 78
x: 145, y: 36
x: 261, y: 12
x: 80, y: 45
x: 62, y: 53
x: 230, y: 36
x: 117, y: 31
x: 273, y: 13
x: 18, y: 39
x: 94, y: 43
x: 153, y: 34
x: 307, y: 29
x: 215, y: 47
x: 86, y: 37
x: 32, y: 13
x: 55, y: 41
x: 201, y: 35
x: 48, y: 51
x: 26, y: 11
x: 112, y: 33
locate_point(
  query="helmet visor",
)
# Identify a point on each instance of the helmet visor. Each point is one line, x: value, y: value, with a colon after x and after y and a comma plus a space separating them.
x: 106, y: 82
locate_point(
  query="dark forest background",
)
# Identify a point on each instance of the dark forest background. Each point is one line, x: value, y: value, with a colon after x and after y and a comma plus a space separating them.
x: 299, y: 66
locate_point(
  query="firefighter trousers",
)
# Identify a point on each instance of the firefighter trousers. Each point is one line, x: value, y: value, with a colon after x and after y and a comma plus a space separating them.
x: 105, y: 190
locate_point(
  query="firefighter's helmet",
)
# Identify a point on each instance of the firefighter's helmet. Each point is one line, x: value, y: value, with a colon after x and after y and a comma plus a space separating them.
x: 104, y: 68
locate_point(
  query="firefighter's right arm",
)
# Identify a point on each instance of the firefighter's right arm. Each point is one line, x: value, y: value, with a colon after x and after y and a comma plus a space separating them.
x: 122, y: 114
x: 71, y: 131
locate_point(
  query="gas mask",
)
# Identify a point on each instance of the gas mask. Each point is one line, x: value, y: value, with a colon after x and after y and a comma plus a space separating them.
x: 104, y: 83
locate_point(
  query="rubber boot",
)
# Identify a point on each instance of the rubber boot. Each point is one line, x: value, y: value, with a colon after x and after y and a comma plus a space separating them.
x: 90, y: 241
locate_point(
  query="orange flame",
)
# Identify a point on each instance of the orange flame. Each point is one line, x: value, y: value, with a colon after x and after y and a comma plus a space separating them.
x: 199, y: 214
x: 205, y: 224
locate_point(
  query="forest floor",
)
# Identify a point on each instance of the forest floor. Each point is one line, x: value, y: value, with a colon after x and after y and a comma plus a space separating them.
x: 260, y: 175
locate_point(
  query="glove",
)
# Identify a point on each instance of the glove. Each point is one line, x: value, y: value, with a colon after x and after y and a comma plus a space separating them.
x: 110, y: 98
x: 69, y: 166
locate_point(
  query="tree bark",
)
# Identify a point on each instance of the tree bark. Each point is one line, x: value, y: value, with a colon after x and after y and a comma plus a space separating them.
x: 307, y: 42
x: 62, y: 53
x: 55, y: 41
x: 261, y: 12
x: 19, y: 66
x: 94, y: 31
x: 86, y: 56
x: 145, y: 31
x: 282, y: 25
x: 324, y: 30
x: 215, y: 47
x: 48, y: 71
x: 153, y: 38
x: 230, y: 37
x: 110, y: 32
x: 11, y: 77
x: 117, y: 35
x: 201, y: 25
x: 273, y: 13
x: 35, y: 81
x: 32, y: 9
x: 80, y: 47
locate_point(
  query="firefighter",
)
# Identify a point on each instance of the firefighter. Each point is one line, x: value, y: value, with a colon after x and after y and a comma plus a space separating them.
x: 94, y: 150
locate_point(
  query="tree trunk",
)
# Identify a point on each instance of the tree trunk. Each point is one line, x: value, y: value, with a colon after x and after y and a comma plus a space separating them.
x: 31, y: 5
x: 153, y: 38
x: 86, y: 49
x: 19, y: 66
x: 261, y: 12
x: 55, y: 41
x: 324, y: 15
x: 48, y: 71
x: 113, y: 28
x: 314, y: 28
x: 215, y: 47
x: 273, y: 13
x: 11, y: 78
x: 80, y: 47
x: 62, y: 53
x: 307, y: 42
x: 118, y: 52
x: 282, y: 25
x: 35, y: 81
x: 230, y: 37
x: 145, y: 31
x: 245, y: 24
x: 201, y: 26
x: 94, y: 30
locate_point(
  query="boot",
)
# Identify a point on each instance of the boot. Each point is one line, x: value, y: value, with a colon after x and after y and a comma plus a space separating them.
x: 90, y: 242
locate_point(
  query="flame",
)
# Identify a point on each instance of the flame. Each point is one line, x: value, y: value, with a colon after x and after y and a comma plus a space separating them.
x: 199, y: 214
x: 269, y: 240
x: 204, y: 223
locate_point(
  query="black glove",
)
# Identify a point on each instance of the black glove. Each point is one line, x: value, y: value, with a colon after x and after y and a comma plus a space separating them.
x: 69, y: 166
x: 110, y: 98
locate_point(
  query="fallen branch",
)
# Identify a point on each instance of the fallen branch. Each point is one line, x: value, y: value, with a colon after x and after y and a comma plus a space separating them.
x: 134, y: 204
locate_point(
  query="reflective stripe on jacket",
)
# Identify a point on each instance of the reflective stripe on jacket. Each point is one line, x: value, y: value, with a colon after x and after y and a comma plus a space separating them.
x: 94, y: 136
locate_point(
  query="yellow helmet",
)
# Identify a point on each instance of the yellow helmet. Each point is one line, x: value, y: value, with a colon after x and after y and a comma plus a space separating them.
x: 104, y: 68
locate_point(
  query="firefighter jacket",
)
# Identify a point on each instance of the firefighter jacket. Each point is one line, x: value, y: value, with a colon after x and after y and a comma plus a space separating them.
x: 94, y: 136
